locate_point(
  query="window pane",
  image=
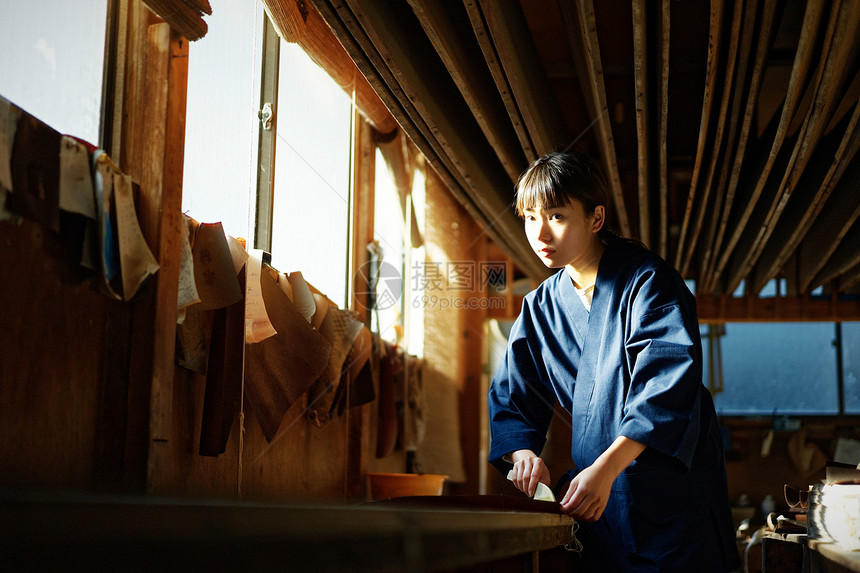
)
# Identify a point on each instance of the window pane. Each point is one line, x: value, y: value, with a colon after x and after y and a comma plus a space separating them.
x: 413, y: 309
x: 388, y: 232
x: 219, y: 179
x: 787, y: 368
x: 51, y: 61
x: 851, y: 366
x: 311, y: 204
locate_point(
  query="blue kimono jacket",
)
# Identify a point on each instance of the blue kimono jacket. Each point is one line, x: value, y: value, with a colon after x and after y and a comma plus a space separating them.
x: 632, y: 366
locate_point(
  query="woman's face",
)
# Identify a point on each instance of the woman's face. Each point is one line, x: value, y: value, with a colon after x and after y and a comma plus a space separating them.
x: 565, y: 235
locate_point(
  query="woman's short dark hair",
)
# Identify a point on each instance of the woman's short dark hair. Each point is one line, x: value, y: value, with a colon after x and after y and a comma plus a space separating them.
x: 556, y: 178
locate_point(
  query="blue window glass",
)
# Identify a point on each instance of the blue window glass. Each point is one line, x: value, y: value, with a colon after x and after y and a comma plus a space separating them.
x: 778, y: 368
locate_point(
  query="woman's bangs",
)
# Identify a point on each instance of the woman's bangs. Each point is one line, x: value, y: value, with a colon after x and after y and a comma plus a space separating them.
x: 537, y: 192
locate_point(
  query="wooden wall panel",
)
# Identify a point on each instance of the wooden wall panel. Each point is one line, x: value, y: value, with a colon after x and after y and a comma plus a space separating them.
x: 193, y: 475
x: 51, y: 333
x: 445, y: 235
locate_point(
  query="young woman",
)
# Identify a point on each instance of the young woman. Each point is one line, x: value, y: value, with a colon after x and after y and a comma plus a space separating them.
x: 614, y: 337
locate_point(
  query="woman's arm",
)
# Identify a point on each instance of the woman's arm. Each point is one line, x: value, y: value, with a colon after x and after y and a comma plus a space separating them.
x: 588, y: 492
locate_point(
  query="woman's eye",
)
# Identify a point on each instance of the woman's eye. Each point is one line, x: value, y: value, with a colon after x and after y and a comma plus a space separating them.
x: 556, y: 217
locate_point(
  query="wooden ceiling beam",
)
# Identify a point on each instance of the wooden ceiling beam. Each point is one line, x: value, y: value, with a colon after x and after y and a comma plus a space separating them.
x: 663, y: 128
x: 352, y: 37
x: 530, y: 87
x: 799, y: 73
x: 582, y: 34
x: 459, y: 51
x: 841, y: 50
x: 719, y: 141
x: 640, y: 69
x: 491, y: 57
x: 844, y: 261
x: 851, y: 278
x: 714, y: 48
x: 737, y: 132
x: 766, y: 30
x: 830, y: 228
x: 431, y: 110
x: 719, y: 309
x: 813, y: 190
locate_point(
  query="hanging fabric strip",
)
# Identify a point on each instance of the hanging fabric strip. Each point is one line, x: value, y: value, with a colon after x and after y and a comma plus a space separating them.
x: 108, y: 250
x: 76, y: 180
x: 257, y: 324
x: 214, y: 267
x: 187, y: 293
x: 136, y: 260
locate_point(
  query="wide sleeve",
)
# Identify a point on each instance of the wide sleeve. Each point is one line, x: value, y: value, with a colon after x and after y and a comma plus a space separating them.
x: 521, y: 401
x: 664, y: 361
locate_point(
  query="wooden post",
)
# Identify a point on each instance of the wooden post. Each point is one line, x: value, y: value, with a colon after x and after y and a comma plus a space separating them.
x: 167, y: 67
x: 152, y: 135
x: 364, y: 166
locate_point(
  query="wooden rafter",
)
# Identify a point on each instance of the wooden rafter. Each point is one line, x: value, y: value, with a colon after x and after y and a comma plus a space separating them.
x: 718, y: 139
x: 711, y: 271
x: 640, y: 69
x: 851, y: 277
x: 841, y: 57
x: 714, y: 47
x: 844, y: 260
x: 468, y: 71
x: 800, y: 70
x: 582, y: 33
x: 797, y: 223
x: 665, y: 35
x: 736, y: 136
x: 429, y: 107
x: 522, y: 67
x: 730, y: 182
x: 830, y: 228
x: 484, y: 37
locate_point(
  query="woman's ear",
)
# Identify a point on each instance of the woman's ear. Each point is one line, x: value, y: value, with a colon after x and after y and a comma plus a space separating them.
x: 598, y: 218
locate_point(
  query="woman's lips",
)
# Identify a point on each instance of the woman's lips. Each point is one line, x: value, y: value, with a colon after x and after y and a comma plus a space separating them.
x: 546, y: 251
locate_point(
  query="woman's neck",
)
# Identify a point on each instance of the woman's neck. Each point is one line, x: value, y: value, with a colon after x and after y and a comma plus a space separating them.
x: 583, y: 272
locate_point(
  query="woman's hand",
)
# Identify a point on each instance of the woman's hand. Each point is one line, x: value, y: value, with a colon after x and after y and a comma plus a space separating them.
x: 588, y: 493
x: 529, y: 470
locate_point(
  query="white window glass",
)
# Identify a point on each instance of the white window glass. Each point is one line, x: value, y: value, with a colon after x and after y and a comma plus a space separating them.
x: 851, y: 366
x: 413, y: 307
x: 219, y: 179
x: 388, y: 232
x: 778, y: 368
x: 310, y: 209
x: 52, y: 59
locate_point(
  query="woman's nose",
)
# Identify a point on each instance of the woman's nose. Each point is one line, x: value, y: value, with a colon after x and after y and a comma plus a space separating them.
x: 544, y: 234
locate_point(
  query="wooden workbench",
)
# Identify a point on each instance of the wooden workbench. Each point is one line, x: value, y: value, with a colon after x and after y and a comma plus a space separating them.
x: 122, y: 534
